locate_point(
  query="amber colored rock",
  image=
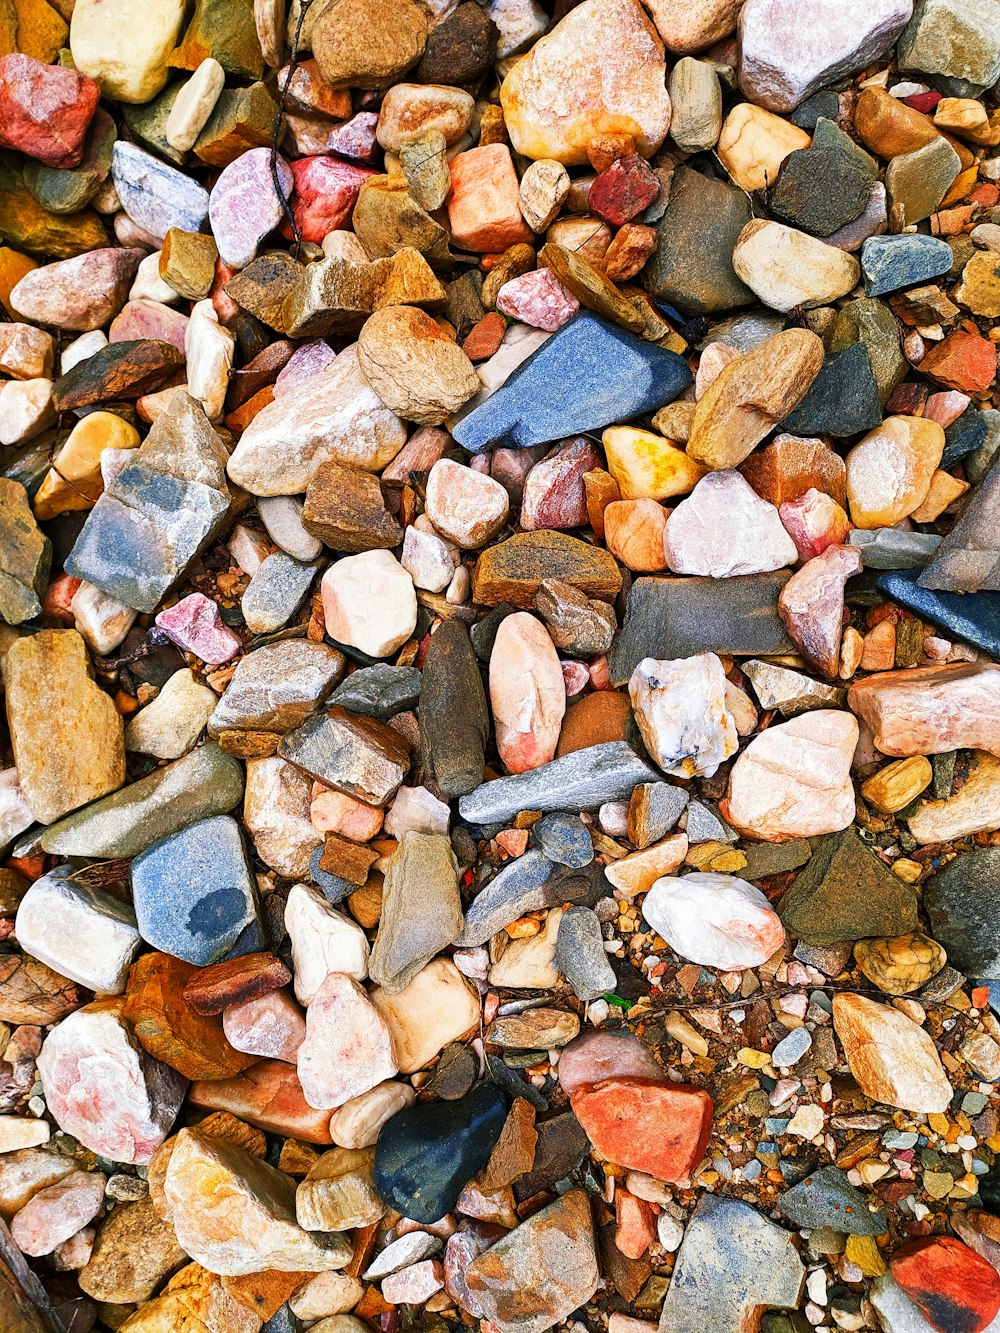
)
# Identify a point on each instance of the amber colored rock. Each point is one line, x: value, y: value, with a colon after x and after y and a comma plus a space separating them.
x: 68, y: 737
x: 900, y: 965
x: 263, y: 1294
x: 892, y: 1058
x: 13, y: 267
x: 811, y: 605
x: 483, y: 211
x: 893, y: 788
x: 956, y: 1289
x: 169, y: 1028
x: 134, y: 1252
x: 17, y: 1314
x: 209, y: 990
x: 646, y: 466
x: 193, y: 1301
x: 645, y: 1125
x: 931, y: 710
x: 754, y: 143
x: 345, y: 509
x: 888, y: 126
x: 788, y: 466
x: 751, y: 395
x: 890, y: 470
x: 512, y: 571
x: 634, y: 531
x: 368, y: 43
x: 599, y: 71
x: 603, y: 716
x: 30, y: 992
x: 74, y: 481
x: 964, y: 361
x: 268, y: 1095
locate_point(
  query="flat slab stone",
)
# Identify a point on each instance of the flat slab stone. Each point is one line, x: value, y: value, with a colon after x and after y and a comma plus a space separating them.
x: 586, y: 376
x: 579, y: 781
x: 892, y: 548
x: 668, y: 618
x: 972, y: 616
x: 356, y: 755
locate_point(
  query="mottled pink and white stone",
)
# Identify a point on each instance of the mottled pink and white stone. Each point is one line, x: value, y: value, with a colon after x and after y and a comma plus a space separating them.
x: 724, y: 528
x: 466, y: 507
x: 195, y: 625
x: 554, y: 494
x: 413, y: 1285
x: 814, y: 521
x: 527, y: 693
x: 58, y: 1212
x: 347, y: 1049
x: 811, y: 606
x: 272, y: 1026
x: 714, y: 920
x: 539, y: 299
x: 680, y: 708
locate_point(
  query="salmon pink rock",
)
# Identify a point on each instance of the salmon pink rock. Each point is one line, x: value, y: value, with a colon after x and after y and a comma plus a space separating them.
x: 527, y: 693
x: 45, y: 110
x: 659, y: 1128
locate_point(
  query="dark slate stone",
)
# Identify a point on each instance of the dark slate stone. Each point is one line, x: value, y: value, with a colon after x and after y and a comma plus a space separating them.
x: 843, y: 399
x: 820, y: 189
x: 528, y: 884
x: 584, y: 377
x: 989, y: 1189
x: 892, y: 548
x: 484, y: 632
x: 968, y: 559
x: 454, y: 721
x: 972, y: 616
x: 460, y: 49
x: 454, y: 1073
x: 890, y: 263
x: 692, y: 265
x: 428, y: 1153
x: 679, y: 617
x: 379, y: 691
x: 965, y: 434
x: 961, y: 902
x: 582, y: 780
x: 824, y: 104
x: 872, y: 323
x: 195, y: 894
x: 513, y: 1083
x: 561, y: 1147
x: 828, y: 1199
x: 565, y: 839
x: 581, y: 957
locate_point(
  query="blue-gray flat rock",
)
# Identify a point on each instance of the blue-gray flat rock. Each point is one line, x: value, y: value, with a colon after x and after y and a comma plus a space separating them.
x: 155, y: 196
x: 528, y: 884
x: 277, y: 687
x: 968, y: 559
x: 973, y: 616
x: 564, y: 838
x: 892, y: 548
x: 584, y: 377
x: 828, y: 1199
x: 580, y: 955
x: 276, y: 592
x: 379, y: 691
x: 890, y: 263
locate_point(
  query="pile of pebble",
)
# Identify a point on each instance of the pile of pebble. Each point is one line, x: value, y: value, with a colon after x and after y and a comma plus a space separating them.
x: 500, y: 621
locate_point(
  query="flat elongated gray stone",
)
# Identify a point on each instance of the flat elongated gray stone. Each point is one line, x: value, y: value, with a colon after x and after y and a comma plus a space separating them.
x: 155, y: 196
x: 160, y: 512
x: 275, y: 592
x: 277, y: 687
x: 205, y: 782
x: 968, y: 559
x: 579, y: 781
x: 732, y: 1265
x: 528, y: 884
x: 891, y: 548
x: 454, y: 720
x: 379, y: 691
x: 668, y: 618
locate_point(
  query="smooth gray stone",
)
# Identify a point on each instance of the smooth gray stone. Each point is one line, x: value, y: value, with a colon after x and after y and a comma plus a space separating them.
x: 275, y: 688
x: 454, y: 718
x: 379, y: 691
x: 203, y: 783
x: 276, y: 592
x: 564, y: 838
x: 666, y: 805
x: 890, y: 548
x: 826, y: 1198
x: 580, y: 955
x: 529, y: 884
x: 680, y: 617
x: 282, y: 516
x: 579, y: 781
x: 704, y: 825
x: 155, y: 196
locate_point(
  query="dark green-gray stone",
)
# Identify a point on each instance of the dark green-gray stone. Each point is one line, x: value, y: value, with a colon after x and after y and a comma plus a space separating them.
x: 843, y: 399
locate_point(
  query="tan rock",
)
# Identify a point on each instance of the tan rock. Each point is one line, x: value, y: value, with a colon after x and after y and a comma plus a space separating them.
x: 901, y: 965
x: 276, y: 811
x: 74, y: 481
x: 338, y: 1192
x: 975, y: 807
x: 529, y: 963
x: 543, y: 190
x: 368, y: 43
x: 409, y: 110
x: 414, y: 367
x: 751, y: 395
x: 754, y: 143
x: 638, y: 872
x: 931, y: 710
x: 889, y: 472
x: 134, y: 1252
x: 25, y: 1171
x: 193, y: 1301
x: 437, y: 1007
x: 356, y: 1124
x: 68, y: 737
x: 893, y: 788
x: 634, y: 531
x: 794, y: 780
x: 236, y: 1214
x: 892, y: 1058
x: 601, y: 70
x: 691, y: 25
x: 787, y: 268
x: 194, y: 104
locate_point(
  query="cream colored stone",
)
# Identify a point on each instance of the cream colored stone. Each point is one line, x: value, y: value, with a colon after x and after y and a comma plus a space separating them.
x: 208, y: 350
x: 754, y: 143
x: 437, y: 1007
x: 691, y: 25
x: 893, y: 1059
x: 170, y: 725
x: 889, y: 472
x: 638, y: 872
x: 194, y: 105
x: 788, y: 268
x: 975, y: 807
x: 74, y: 481
x: 124, y: 45
x: 529, y: 963
x: 356, y: 1124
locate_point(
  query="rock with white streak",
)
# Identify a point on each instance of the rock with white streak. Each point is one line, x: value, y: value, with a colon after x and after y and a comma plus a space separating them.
x: 794, y: 780
x: 347, y: 1049
x: 81, y: 932
x: 714, y: 920
x: 724, y: 528
x: 15, y: 814
x: 427, y: 560
x: 680, y: 707
x: 527, y: 693
x: 323, y: 941
x: 417, y: 810
x: 790, y: 49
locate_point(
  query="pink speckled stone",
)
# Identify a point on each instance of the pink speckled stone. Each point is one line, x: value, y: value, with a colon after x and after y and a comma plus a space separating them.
x: 272, y: 1026
x: 554, y: 495
x: 244, y: 205
x: 413, y: 1285
x: 305, y: 361
x: 149, y: 319
x: 58, y: 1212
x: 326, y: 191
x: 814, y: 521
x: 195, y: 625
x: 539, y: 299
x: 527, y: 693
x: 347, y: 1048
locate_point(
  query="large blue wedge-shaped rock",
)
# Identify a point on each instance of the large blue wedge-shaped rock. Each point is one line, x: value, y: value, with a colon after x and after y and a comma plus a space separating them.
x: 584, y: 377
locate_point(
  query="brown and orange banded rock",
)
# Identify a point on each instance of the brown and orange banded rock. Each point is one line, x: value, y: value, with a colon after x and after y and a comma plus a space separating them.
x: 235, y: 981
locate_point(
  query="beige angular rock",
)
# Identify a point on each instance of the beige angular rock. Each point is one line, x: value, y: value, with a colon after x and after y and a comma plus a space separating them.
x: 696, y: 102
x: 754, y: 143
x: 530, y: 963
x: 234, y: 1214
x: 543, y: 190
x: 893, y: 1059
x: 58, y: 1212
x: 369, y: 602
x: 26, y: 409
x: 67, y: 736
x: 889, y: 472
x: 194, y: 104
x: 691, y: 25
x: 124, y: 48
x: 347, y: 1049
x: 25, y: 1171
x: 325, y: 1295
x: 788, y: 268
x: 975, y: 807
x: 639, y: 872
x: 277, y: 813
x: 26, y: 352
x: 414, y: 367
x: 751, y: 395
x: 208, y: 348
x: 794, y: 780
x: 170, y: 725
x: 356, y: 1124
x: 527, y: 693
x: 466, y: 507
x: 409, y: 110
x: 634, y: 532
x: 437, y: 1007
x: 323, y: 941
x: 931, y: 710
x: 680, y: 707
x: 724, y: 528
x: 600, y: 70
x: 333, y: 415
x: 338, y: 1192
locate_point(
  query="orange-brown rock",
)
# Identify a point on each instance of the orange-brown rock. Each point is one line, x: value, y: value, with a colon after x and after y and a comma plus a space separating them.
x: 264, y: 1293
x: 788, y: 466
x: 603, y: 716
x: 235, y: 981
x: 169, y: 1028
x: 269, y: 1095
x: 512, y: 571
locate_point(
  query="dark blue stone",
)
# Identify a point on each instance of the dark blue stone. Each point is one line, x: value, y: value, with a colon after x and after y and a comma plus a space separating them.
x: 890, y: 263
x: 195, y: 894
x: 972, y: 616
x: 428, y: 1153
x: 965, y: 434
x: 583, y: 378
x: 564, y: 838
x: 843, y: 399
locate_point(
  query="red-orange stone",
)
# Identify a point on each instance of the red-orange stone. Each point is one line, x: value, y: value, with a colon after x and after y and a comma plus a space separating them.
x: 268, y: 1095
x: 956, y: 1290
x: 964, y: 361
x: 235, y: 981
x: 659, y: 1128
x: 45, y: 110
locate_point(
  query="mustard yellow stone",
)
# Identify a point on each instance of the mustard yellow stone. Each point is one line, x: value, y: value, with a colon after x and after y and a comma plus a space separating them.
x: 647, y: 466
x: 893, y: 788
x: 901, y: 965
x: 74, y: 479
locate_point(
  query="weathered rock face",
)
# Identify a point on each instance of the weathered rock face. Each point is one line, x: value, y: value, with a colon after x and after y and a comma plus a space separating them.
x: 567, y: 89
x: 892, y: 1058
x: 231, y: 1211
x: 421, y: 909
